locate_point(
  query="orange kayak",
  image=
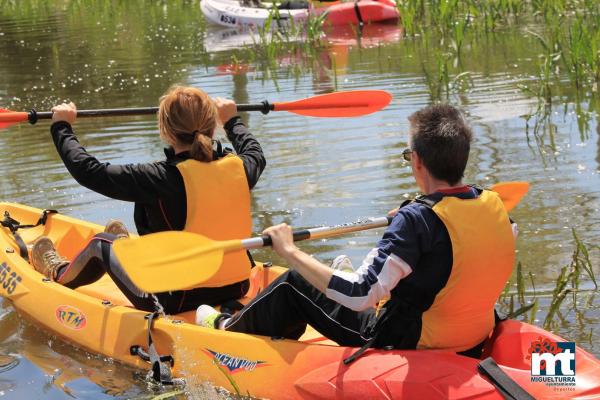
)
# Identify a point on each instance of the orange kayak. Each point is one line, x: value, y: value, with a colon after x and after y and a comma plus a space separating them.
x: 99, y: 318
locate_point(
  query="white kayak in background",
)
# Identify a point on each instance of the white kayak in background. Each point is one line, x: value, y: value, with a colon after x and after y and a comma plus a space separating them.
x: 232, y: 14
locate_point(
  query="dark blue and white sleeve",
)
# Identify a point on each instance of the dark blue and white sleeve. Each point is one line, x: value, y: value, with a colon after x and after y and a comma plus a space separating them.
x: 382, y: 268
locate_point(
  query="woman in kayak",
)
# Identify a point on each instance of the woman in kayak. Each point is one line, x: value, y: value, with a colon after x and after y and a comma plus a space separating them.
x: 200, y: 187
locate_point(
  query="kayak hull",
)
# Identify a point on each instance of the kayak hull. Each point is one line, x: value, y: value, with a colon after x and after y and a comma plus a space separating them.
x: 364, y: 11
x: 96, y: 317
x: 230, y: 13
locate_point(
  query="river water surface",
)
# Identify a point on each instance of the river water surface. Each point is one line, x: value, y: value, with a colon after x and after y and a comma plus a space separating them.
x: 103, y: 54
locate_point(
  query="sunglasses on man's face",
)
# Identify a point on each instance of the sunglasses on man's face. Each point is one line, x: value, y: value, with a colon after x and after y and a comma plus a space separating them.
x: 406, y: 154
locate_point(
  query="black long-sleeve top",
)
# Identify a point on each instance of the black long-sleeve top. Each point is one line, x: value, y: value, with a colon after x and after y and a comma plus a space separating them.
x: 156, y: 188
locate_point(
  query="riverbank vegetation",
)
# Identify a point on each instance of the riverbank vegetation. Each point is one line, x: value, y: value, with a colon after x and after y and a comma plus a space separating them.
x: 575, y: 289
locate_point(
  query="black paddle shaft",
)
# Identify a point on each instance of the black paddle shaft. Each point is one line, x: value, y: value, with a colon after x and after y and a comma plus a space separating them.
x: 298, y: 236
x: 33, y: 116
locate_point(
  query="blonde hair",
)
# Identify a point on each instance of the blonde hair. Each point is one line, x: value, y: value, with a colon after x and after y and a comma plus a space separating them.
x: 187, y: 115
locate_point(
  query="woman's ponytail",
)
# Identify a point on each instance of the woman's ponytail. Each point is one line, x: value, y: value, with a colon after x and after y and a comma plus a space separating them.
x: 202, y: 149
x: 188, y: 116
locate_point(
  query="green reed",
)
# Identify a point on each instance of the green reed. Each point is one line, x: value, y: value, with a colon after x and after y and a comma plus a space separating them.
x: 569, y: 44
x: 580, y: 50
x: 567, y: 283
x: 276, y: 39
x: 541, y: 88
x: 440, y: 81
x: 410, y: 13
x: 572, y: 27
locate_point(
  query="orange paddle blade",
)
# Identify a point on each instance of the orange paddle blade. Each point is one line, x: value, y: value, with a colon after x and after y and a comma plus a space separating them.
x: 511, y: 193
x: 340, y: 104
x: 8, y: 118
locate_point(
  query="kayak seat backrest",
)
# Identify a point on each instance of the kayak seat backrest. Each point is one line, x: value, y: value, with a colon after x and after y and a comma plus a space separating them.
x: 509, y: 344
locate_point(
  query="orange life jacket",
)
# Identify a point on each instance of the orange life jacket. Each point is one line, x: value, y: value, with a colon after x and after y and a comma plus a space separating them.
x: 218, y: 207
x: 483, y: 251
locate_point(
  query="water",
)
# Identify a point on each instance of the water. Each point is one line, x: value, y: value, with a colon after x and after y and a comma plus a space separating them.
x: 103, y: 54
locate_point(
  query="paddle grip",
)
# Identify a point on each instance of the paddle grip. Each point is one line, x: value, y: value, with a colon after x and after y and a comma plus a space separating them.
x: 298, y: 236
x: 34, y: 116
x: 264, y: 107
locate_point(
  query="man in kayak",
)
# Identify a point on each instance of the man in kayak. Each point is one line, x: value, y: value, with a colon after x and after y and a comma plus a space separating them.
x: 442, y: 263
x: 200, y: 187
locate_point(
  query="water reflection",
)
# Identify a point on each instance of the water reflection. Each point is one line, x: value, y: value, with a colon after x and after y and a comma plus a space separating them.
x: 55, y: 369
x: 320, y: 171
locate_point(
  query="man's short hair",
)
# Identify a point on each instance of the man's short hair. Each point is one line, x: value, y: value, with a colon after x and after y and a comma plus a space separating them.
x: 442, y: 138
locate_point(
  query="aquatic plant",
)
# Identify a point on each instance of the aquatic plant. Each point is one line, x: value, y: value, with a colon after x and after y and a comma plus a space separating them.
x: 566, y: 47
x: 411, y: 13
x: 440, y: 82
x: 568, y: 282
x: 459, y: 33
x: 451, y: 18
x: 580, y: 50
x: 276, y: 38
x: 313, y: 28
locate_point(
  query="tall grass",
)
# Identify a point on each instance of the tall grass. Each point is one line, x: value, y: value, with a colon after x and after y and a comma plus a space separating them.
x: 276, y: 38
x: 567, y: 284
x: 568, y: 33
x: 571, y: 27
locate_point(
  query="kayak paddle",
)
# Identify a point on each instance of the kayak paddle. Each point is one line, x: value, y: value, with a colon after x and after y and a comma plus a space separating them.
x: 175, y: 260
x: 338, y: 104
x: 511, y: 193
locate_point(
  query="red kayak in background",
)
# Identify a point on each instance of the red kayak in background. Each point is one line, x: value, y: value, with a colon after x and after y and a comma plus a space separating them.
x: 359, y: 12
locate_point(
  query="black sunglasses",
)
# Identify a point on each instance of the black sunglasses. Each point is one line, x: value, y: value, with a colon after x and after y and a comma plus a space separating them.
x: 406, y: 154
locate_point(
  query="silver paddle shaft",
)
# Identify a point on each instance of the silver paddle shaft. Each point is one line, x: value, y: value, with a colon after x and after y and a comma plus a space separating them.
x: 321, y: 232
